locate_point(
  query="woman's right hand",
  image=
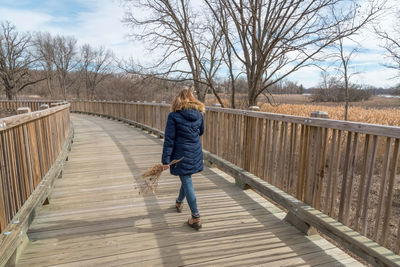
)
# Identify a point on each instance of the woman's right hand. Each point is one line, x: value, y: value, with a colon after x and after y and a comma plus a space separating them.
x: 165, y: 167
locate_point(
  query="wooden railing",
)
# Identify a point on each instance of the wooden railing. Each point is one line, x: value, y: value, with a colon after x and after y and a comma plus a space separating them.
x: 34, y: 105
x: 347, y: 170
x: 29, y: 146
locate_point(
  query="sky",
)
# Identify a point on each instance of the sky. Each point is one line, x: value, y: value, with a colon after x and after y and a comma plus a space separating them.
x: 98, y: 22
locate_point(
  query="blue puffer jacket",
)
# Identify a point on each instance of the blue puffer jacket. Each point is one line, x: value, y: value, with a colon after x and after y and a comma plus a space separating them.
x: 182, y: 139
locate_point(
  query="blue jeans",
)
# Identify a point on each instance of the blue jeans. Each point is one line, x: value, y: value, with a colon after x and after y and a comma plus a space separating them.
x: 188, y: 192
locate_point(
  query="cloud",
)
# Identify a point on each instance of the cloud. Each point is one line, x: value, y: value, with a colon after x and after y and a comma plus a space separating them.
x: 382, y: 77
x: 25, y: 20
x: 96, y: 22
x: 308, y: 76
x: 102, y: 26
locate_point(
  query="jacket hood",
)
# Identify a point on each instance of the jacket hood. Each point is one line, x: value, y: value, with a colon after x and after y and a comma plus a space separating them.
x: 190, y: 114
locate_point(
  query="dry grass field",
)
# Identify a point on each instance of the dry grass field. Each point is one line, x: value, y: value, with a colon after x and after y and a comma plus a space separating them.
x: 386, y: 116
x: 377, y: 110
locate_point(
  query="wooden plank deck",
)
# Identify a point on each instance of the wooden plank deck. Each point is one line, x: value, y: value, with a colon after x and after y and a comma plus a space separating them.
x: 97, y: 218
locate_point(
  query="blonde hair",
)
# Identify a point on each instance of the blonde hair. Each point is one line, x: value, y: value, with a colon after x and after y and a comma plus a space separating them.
x: 186, y: 100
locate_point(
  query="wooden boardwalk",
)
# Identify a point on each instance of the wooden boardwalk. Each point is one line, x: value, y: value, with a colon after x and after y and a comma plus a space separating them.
x: 97, y: 218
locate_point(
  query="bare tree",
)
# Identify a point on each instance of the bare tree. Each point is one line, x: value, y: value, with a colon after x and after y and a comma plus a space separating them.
x: 65, y: 61
x: 226, y: 51
x: 16, y: 60
x: 212, y: 58
x: 343, y: 68
x: 95, y: 67
x: 45, y: 50
x: 392, y: 43
x: 327, y: 90
x: 332, y: 89
x: 275, y: 38
x: 177, y: 30
x: 343, y: 54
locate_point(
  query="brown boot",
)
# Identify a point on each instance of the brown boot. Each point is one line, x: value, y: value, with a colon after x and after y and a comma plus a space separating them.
x: 178, y: 206
x: 194, y: 222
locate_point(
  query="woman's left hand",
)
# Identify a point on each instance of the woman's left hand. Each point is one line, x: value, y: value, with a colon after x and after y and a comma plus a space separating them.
x: 165, y: 167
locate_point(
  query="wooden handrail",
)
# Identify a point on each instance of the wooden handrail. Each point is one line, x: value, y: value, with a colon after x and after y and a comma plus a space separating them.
x: 12, y: 121
x: 29, y: 146
x: 366, y: 128
x: 32, y: 104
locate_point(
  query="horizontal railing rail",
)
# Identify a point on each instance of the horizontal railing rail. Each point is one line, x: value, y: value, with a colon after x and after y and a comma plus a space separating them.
x: 347, y: 170
x: 29, y: 146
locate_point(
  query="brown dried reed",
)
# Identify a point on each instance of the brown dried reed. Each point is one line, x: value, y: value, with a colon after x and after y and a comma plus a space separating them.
x: 151, y: 177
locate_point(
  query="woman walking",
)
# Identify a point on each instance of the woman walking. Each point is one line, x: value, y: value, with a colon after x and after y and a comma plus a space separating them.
x: 182, y: 140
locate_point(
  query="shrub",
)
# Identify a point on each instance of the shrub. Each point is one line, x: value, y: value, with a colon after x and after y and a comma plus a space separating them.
x: 335, y: 92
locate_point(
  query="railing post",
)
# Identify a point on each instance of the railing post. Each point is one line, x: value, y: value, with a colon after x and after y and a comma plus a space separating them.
x: 254, y: 108
x: 249, y: 128
x: 43, y: 106
x: 23, y: 110
x: 315, y: 161
x: 319, y: 114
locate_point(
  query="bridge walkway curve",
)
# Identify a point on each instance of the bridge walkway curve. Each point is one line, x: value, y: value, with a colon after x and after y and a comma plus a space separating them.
x: 97, y: 218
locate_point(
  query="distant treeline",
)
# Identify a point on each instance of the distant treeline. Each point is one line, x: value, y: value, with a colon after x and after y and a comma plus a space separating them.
x: 123, y: 86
